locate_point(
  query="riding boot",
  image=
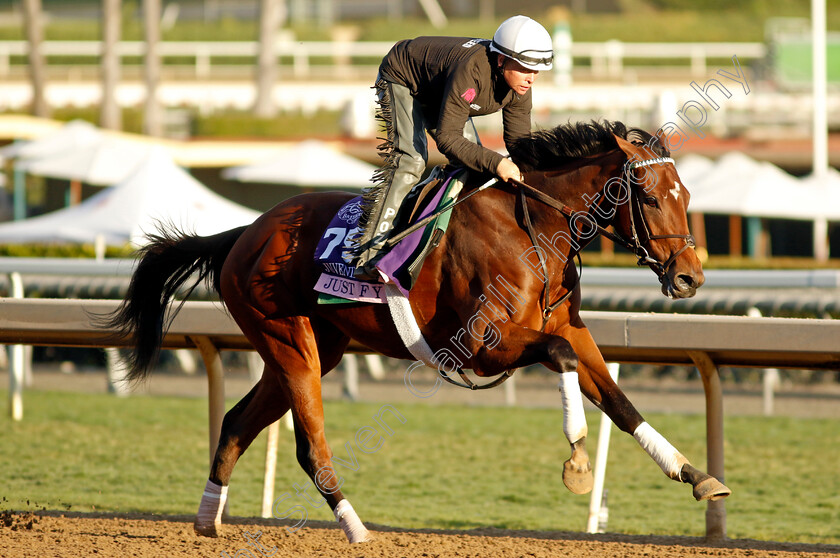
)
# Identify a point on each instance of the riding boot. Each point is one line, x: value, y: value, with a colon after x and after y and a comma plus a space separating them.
x: 382, y: 223
x: 405, y: 163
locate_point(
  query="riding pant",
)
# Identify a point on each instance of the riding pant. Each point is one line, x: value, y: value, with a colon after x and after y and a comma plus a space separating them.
x: 406, y: 154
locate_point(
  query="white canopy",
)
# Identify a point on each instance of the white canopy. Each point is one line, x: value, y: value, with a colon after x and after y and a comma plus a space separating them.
x: 739, y: 185
x: 157, y: 191
x: 103, y: 162
x: 692, y: 167
x: 310, y: 163
x: 73, y: 135
x: 826, y: 189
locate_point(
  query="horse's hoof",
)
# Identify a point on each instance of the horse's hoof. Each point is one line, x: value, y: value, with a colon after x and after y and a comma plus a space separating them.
x: 366, y: 538
x: 206, y: 529
x: 711, y: 489
x: 576, y: 480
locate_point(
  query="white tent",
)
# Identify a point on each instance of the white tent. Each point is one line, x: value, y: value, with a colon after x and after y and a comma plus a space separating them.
x: 825, y: 188
x: 73, y: 135
x: 739, y: 185
x: 311, y: 164
x: 157, y: 191
x: 102, y: 162
x: 692, y: 167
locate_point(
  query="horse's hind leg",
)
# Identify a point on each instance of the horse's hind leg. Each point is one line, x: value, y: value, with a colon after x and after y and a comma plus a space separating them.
x: 299, y: 353
x: 264, y: 404
x: 599, y: 387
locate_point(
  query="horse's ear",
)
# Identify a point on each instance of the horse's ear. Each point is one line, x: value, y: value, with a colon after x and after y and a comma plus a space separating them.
x: 662, y: 138
x: 628, y: 148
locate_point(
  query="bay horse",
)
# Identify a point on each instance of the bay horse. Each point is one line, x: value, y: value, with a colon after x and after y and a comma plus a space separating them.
x: 498, y: 293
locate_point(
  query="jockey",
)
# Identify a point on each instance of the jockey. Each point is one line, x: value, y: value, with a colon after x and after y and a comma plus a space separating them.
x: 437, y: 84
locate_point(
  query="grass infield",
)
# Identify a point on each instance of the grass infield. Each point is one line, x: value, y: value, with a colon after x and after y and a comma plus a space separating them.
x: 444, y: 467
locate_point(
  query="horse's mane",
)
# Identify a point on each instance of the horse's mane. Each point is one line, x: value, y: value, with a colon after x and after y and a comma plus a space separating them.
x: 551, y: 148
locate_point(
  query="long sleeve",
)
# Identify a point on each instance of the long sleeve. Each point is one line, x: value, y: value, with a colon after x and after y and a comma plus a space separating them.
x: 460, y: 91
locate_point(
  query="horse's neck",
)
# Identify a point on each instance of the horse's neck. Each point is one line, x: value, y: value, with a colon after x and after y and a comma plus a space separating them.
x: 580, y: 183
x: 580, y: 186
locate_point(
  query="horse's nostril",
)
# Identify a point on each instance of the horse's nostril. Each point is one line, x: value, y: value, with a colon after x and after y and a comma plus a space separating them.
x: 686, y: 280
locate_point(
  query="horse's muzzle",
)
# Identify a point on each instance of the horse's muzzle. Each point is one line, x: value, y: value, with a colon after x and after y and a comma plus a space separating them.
x: 682, y: 285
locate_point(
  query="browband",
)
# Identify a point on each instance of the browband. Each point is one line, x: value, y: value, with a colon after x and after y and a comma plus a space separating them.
x: 647, y: 162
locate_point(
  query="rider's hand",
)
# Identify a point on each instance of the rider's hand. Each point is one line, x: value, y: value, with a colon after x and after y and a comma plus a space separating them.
x: 507, y: 169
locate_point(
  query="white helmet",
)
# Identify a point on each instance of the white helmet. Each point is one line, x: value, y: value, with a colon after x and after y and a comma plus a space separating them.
x: 524, y: 40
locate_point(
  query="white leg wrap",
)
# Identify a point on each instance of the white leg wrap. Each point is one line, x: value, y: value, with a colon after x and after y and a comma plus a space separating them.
x: 665, y: 455
x: 212, y: 504
x: 350, y: 523
x: 574, y: 419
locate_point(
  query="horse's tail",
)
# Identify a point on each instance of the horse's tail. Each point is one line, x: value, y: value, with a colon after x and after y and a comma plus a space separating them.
x: 166, y: 264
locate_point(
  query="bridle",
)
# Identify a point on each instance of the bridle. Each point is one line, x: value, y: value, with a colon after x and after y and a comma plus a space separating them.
x: 636, y: 243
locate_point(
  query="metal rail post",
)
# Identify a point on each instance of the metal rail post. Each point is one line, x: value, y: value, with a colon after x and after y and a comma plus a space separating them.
x: 215, y: 388
x: 715, y: 511
x: 350, y: 388
x: 595, y: 500
x: 270, y: 467
x: 510, y: 391
x: 17, y: 360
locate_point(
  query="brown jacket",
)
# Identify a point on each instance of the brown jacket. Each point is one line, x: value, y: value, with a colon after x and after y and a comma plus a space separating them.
x: 454, y: 78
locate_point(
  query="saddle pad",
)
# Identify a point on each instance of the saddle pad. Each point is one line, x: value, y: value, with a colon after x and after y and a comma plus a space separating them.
x: 336, y: 283
x: 401, y: 265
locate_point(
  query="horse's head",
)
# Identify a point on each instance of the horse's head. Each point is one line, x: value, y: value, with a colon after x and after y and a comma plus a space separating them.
x: 653, y: 216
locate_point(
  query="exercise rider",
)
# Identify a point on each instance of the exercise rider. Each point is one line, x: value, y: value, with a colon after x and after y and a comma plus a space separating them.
x: 437, y: 84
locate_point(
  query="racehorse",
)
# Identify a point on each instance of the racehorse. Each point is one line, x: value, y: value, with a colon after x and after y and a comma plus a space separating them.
x: 498, y: 293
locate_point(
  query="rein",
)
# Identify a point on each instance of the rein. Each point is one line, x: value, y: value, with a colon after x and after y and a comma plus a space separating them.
x: 635, y: 244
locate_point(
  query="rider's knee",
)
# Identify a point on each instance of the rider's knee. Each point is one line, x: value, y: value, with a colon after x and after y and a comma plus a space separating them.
x: 411, y: 167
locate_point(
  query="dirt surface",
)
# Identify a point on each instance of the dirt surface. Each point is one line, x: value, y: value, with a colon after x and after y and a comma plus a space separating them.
x: 69, y: 534
x: 59, y: 535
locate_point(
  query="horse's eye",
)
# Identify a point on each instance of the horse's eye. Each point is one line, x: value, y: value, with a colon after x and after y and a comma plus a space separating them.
x: 651, y: 201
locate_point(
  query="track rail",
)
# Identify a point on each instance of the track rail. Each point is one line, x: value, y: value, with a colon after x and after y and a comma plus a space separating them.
x: 703, y: 340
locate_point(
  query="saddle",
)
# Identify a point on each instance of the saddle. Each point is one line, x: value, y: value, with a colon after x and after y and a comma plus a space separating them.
x: 402, y: 264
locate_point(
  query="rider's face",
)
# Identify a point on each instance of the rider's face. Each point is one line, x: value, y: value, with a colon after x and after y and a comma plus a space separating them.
x: 518, y: 77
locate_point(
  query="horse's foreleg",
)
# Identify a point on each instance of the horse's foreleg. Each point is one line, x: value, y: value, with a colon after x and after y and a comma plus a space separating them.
x: 518, y: 346
x: 577, y: 471
x: 599, y: 387
x: 264, y: 404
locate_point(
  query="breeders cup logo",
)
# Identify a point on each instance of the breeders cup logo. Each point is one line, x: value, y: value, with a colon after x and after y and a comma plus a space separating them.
x: 351, y: 212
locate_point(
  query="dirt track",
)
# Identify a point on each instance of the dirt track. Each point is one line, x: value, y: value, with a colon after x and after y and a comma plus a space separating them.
x: 53, y: 534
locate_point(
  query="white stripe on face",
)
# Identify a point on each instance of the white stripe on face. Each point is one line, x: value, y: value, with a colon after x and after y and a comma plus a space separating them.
x: 675, y: 191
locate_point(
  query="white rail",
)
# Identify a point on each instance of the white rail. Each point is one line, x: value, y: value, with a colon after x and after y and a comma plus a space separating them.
x: 605, y: 58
